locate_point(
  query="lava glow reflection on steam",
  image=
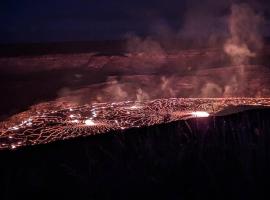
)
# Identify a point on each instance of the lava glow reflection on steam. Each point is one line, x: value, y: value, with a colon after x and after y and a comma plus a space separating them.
x: 200, y: 114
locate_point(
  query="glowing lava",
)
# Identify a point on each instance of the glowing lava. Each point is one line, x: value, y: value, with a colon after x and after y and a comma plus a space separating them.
x: 200, y: 114
x: 46, y: 123
x: 89, y: 122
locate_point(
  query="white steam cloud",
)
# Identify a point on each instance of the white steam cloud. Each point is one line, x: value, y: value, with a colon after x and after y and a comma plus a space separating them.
x: 244, y: 43
x: 245, y: 37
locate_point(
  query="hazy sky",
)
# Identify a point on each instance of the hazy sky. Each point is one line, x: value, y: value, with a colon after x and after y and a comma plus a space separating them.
x: 75, y: 20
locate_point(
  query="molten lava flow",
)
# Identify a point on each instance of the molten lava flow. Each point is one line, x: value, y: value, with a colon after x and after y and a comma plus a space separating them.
x: 89, y: 122
x: 60, y: 120
x: 200, y: 114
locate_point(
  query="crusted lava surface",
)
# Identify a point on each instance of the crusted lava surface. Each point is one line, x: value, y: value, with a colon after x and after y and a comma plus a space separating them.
x: 60, y: 120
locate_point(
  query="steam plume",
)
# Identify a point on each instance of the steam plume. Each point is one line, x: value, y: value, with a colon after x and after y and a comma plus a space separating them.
x: 245, y: 38
x: 243, y: 44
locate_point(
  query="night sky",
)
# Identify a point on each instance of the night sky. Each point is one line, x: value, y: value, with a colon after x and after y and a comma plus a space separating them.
x: 84, y: 20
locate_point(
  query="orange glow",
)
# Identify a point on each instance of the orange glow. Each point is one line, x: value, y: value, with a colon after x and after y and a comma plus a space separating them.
x: 200, y: 114
x: 89, y: 122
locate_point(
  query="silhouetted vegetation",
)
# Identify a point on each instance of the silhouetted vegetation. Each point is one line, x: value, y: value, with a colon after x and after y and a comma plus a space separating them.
x: 218, y: 157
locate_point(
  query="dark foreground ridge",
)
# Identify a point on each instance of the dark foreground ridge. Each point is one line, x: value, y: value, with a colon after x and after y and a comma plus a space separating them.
x: 222, y: 157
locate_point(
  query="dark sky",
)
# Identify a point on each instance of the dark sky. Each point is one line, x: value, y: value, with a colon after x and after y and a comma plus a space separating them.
x: 78, y: 20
